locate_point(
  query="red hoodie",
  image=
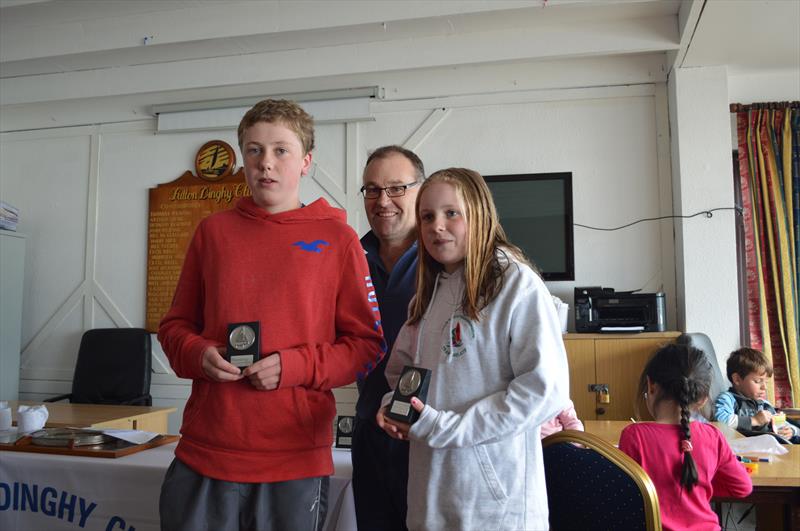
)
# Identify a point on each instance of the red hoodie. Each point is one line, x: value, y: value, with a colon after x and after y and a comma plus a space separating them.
x: 303, y: 275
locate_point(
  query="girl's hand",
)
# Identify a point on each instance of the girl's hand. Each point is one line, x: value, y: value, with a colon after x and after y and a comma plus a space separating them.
x: 396, y: 430
x: 785, y: 432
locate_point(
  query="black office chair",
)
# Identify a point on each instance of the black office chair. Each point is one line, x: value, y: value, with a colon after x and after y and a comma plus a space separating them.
x: 595, y: 486
x: 113, y: 367
x: 719, y: 382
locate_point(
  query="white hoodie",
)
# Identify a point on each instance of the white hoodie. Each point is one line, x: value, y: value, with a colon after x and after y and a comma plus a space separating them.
x: 476, y: 458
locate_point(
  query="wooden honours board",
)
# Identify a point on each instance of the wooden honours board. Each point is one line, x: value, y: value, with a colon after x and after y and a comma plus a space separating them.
x: 175, y: 210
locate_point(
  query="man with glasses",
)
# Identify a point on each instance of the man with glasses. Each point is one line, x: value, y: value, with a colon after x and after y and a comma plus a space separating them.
x: 392, y: 177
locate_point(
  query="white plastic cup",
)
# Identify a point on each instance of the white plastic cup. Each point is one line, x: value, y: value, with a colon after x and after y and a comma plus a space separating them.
x: 31, y: 418
x: 779, y: 421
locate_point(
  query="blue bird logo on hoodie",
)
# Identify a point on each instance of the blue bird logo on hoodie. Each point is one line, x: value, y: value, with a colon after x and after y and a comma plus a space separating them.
x: 312, y: 247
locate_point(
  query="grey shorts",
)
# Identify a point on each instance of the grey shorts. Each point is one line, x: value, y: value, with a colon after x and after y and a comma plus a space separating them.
x: 192, y: 502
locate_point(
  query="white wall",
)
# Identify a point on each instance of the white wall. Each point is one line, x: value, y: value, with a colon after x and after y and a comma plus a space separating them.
x: 776, y: 85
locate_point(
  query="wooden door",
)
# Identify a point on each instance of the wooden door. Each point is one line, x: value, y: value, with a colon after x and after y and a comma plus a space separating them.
x: 580, y: 355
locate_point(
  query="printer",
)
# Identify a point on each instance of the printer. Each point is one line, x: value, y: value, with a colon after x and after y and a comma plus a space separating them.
x: 605, y: 310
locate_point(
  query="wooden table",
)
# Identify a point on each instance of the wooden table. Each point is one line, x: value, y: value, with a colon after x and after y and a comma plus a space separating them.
x: 776, y: 485
x: 64, y: 414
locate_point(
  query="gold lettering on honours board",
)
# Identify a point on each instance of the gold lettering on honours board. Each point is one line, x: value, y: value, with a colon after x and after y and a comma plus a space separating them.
x: 211, y: 194
x: 182, y: 194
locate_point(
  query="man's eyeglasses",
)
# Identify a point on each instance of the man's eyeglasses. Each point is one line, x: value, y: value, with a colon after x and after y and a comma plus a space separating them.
x: 397, y: 190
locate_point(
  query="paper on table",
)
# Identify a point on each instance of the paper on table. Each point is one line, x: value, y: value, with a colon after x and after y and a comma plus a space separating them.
x: 132, y: 436
x: 760, y: 444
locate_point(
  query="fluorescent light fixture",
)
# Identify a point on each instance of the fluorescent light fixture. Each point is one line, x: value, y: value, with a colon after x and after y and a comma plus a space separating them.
x: 331, y: 106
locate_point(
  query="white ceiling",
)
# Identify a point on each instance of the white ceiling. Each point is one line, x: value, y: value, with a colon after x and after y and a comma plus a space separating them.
x: 747, y: 36
x: 73, y: 49
x: 91, y: 48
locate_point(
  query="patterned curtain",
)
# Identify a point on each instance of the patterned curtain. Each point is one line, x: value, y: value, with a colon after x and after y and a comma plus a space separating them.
x: 769, y: 169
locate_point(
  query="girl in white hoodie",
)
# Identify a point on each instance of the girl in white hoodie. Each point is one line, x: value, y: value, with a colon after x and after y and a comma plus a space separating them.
x: 484, y: 323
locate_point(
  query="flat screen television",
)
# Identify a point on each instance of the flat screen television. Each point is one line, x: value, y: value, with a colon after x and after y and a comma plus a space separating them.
x: 535, y: 210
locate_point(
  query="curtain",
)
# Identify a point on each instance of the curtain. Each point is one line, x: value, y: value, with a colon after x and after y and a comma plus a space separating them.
x: 769, y: 169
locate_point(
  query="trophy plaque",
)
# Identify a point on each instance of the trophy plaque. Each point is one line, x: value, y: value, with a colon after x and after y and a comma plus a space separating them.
x: 244, y: 342
x: 413, y: 383
x: 344, y: 431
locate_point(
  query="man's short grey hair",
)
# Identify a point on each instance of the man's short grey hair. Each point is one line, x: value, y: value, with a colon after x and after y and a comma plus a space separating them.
x: 386, y: 151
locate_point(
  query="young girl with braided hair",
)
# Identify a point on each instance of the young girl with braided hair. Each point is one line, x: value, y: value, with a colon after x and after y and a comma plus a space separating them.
x: 689, y: 462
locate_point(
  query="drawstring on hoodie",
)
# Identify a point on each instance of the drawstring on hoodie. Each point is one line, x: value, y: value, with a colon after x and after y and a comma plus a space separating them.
x: 450, y: 335
x: 422, y: 321
x: 422, y: 324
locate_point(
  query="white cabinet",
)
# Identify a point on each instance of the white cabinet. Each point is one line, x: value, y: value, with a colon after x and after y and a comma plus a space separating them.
x: 12, y: 276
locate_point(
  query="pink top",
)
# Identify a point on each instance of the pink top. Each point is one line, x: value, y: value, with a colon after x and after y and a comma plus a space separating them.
x: 656, y: 447
x: 566, y: 420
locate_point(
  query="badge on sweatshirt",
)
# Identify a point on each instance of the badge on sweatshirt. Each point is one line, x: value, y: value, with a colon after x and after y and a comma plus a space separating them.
x: 244, y: 341
x: 458, y: 334
x: 413, y: 382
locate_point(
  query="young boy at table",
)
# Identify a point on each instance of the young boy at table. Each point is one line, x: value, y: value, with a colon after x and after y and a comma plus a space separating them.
x: 744, y: 406
x: 255, y: 451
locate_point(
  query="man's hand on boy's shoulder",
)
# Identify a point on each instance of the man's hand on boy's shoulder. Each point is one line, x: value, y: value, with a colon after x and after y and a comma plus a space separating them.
x: 265, y: 374
x: 218, y: 368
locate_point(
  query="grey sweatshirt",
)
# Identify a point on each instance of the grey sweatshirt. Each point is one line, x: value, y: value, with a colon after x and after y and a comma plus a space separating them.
x: 476, y: 458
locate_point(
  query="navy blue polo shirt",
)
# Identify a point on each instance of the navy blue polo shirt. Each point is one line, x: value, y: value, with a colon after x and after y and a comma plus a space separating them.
x: 394, y: 291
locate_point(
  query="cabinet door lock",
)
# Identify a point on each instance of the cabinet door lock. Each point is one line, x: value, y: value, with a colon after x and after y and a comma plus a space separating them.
x: 603, y: 396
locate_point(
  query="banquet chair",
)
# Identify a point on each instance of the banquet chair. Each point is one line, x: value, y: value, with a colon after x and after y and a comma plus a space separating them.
x: 591, y: 485
x: 113, y: 367
x: 719, y: 382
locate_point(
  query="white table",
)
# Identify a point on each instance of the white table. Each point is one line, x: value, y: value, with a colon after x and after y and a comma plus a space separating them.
x: 341, y: 509
x: 55, y: 492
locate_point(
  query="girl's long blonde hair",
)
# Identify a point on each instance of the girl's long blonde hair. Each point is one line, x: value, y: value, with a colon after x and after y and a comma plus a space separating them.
x: 483, y: 269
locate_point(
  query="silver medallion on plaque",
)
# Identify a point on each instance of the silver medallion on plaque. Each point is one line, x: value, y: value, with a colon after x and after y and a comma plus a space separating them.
x: 242, y: 337
x: 410, y: 382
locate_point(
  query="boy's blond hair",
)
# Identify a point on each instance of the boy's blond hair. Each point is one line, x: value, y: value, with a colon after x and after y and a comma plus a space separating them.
x: 285, y: 112
x: 747, y: 360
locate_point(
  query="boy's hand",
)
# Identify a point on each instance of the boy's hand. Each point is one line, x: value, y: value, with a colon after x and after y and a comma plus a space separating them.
x: 785, y: 432
x: 265, y: 374
x: 218, y: 368
x: 761, y: 418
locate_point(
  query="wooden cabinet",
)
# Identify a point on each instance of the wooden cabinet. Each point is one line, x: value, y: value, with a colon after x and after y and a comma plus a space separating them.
x: 613, y: 360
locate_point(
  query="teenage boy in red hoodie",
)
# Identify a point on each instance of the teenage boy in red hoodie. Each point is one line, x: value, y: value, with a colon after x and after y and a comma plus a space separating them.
x: 255, y: 451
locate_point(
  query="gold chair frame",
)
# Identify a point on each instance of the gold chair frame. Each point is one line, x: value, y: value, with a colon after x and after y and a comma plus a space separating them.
x: 652, y: 513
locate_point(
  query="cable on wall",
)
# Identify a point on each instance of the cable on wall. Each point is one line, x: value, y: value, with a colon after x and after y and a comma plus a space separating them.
x: 708, y: 214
